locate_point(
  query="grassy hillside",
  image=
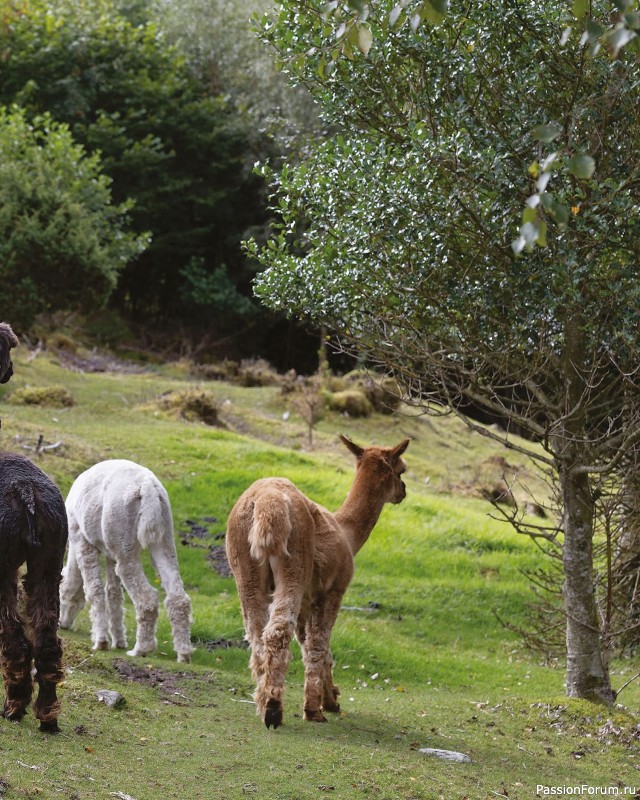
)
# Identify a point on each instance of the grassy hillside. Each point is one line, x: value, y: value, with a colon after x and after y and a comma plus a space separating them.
x: 420, y: 656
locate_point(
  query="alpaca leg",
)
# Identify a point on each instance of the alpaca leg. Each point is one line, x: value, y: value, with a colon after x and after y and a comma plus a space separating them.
x: 71, y: 591
x: 256, y: 617
x: 276, y: 655
x: 330, y: 692
x: 177, y: 603
x: 276, y: 638
x: 15, y: 652
x: 145, y: 600
x: 319, y: 689
x: 88, y: 558
x: 42, y: 590
x: 115, y: 606
x: 253, y: 580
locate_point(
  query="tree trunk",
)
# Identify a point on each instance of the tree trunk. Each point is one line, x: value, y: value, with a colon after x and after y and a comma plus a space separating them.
x: 587, y: 668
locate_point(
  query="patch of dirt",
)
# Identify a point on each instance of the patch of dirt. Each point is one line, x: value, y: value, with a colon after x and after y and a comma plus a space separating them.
x: 193, y: 533
x: 176, y: 688
x: 148, y: 676
x: 97, y: 362
x: 202, y: 533
x: 217, y: 556
x: 221, y: 644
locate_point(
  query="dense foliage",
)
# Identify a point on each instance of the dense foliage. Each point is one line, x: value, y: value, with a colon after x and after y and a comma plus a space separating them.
x: 220, y: 41
x: 407, y: 233
x: 418, y: 202
x: 171, y: 146
x: 62, y: 241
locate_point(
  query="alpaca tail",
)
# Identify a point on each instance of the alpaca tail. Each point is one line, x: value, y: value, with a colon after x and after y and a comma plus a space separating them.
x: 154, y: 520
x: 271, y: 528
x: 25, y: 499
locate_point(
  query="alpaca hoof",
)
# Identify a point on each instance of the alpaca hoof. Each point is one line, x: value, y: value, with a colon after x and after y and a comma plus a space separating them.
x: 184, y: 658
x: 136, y: 652
x: 273, y: 714
x: 120, y: 645
x: 330, y: 702
x: 314, y: 716
x: 103, y: 645
x: 50, y: 727
x: 13, y: 714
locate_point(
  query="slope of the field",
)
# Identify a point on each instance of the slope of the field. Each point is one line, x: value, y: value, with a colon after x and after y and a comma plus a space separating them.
x: 421, y: 658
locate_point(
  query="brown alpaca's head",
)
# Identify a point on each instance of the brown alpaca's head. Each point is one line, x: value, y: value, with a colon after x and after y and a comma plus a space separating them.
x: 383, y: 466
x: 8, y: 339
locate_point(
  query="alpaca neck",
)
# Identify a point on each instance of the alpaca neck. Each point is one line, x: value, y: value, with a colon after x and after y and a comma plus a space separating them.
x: 360, y: 511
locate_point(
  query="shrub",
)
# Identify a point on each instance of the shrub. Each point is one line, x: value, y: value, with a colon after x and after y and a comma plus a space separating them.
x: 352, y: 402
x: 57, y: 396
x: 226, y: 370
x: 382, y: 392
x: 192, y: 405
x: 60, y: 341
x: 257, y: 372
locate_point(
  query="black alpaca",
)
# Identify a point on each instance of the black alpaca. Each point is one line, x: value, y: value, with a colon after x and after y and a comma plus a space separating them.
x: 33, y: 529
x: 8, y: 339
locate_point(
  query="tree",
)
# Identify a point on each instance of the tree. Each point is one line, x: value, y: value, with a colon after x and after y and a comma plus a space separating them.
x: 220, y: 41
x: 62, y: 241
x: 403, y: 233
x: 179, y: 152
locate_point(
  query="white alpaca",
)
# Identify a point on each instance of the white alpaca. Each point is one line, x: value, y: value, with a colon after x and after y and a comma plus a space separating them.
x: 116, y: 508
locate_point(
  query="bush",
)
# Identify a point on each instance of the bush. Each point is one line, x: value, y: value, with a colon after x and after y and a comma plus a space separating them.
x: 382, y: 392
x: 56, y: 396
x: 192, y: 405
x: 257, y: 372
x: 62, y: 241
x: 226, y: 370
x: 60, y: 341
x: 352, y: 402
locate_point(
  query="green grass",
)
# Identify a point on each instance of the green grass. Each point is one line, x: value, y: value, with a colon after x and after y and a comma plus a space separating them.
x: 421, y: 658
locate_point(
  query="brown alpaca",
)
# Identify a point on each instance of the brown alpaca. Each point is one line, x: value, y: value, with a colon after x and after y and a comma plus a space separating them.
x: 293, y: 561
x: 33, y: 529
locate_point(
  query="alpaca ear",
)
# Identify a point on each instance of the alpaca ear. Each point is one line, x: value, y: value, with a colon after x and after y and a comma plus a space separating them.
x: 355, y: 449
x: 399, y: 449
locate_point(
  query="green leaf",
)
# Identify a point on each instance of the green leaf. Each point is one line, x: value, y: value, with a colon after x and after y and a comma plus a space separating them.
x: 395, y: 15
x: 541, y: 241
x: 430, y: 10
x: 561, y: 213
x: 415, y: 21
x: 617, y: 39
x: 357, y: 5
x: 547, y: 201
x: 632, y: 19
x: 442, y: 6
x: 529, y: 215
x: 529, y: 232
x: 549, y: 161
x: 517, y: 245
x: 580, y: 8
x: 594, y: 30
x: 546, y: 133
x: 365, y: 39
x: 582, y: 167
